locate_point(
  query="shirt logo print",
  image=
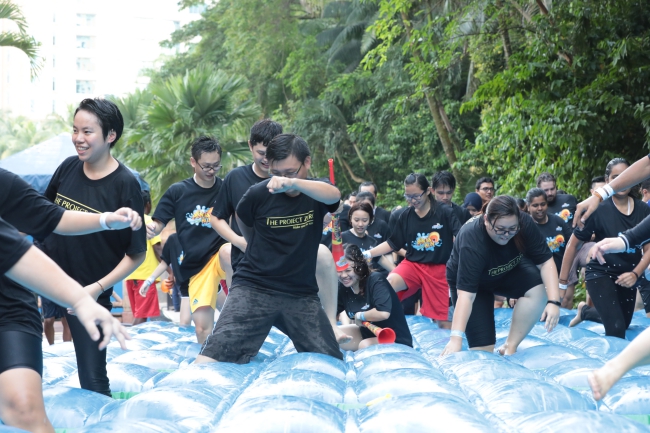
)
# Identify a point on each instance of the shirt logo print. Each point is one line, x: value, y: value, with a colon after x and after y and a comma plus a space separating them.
x: 558, y: 229
x: 437, y: 226
x: 377, y: 235
x: 555, y: 243
x: 181, y: 257
x: 565, y: 205
x: 427, y: 241
x: 200, y: 216
x: 565, y: 214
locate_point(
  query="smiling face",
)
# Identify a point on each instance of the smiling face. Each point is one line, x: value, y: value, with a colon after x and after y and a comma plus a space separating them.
x: 259, y: 159
x: 207, y: 167
x: 348, y: 277
x: 537, y: 208
x: 88, y: 138
x: 550, y: 189
x: 416, y: 197
x: 496, y: 228
x: 360, y: 221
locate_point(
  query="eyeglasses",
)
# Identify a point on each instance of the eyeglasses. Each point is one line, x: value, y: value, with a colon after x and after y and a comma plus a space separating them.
x: 214, y: 168
x: 505, y: 232
x: 289, y: 174
x: 487, y: 189
x: 415, y: 197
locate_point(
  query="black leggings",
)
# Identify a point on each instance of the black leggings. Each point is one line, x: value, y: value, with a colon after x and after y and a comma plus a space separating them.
x: 21, y: 350
x: 614, y: 305
x: 91, y: 362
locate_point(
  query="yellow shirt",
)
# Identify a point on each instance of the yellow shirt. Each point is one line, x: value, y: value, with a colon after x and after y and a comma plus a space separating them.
x: 150, y: 263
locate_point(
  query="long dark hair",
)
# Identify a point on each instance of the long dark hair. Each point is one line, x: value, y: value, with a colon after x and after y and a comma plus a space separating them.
x: 359, y: 265
x: 503, y: 206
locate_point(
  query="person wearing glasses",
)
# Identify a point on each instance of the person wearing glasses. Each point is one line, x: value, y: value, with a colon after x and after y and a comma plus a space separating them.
x: 426, y: 232
x: 443, y: 184
x: 501, y: 252
x: 562, y: 205
x: 275, y: 284
x: 485, y: 189
x: 612, y: 286
x: 190, y: 203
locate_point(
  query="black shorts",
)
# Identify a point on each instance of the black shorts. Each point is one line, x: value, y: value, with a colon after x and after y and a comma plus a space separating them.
x: 21, y: 350
x: 480, y: 326
x: 52, y: 309
x: 250, y: 312
x: 185, y: 289
x: 644, y: 289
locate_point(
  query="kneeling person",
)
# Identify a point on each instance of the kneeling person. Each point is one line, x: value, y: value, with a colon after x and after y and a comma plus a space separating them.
x: 275, y: 284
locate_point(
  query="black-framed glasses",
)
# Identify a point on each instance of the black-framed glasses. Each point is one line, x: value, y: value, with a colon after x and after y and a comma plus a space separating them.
x: 206, y: 168
x: 289, y: 174
x: 487, y: 189
x: 416, y: 197
x: 505, y: 232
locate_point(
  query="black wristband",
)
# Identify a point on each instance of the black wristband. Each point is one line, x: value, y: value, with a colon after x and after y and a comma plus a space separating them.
x: 635, y: 274
x: 558, y: 303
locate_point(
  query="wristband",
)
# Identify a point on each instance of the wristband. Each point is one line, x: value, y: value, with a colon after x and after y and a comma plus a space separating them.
x: 362, y: 316
x: 625, y: 241
x: 455, y: 333
x: 149, y: 281
x: 605, y: 192
x: 635, y: 274
x: 366, y: 255
x: 563, y: 286
x: 558, y: 303
x: 100, y: 285
x: 102, y: 221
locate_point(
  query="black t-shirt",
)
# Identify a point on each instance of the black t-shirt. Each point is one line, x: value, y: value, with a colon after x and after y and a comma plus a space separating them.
x: 380, y: 295
x: 394, y: 217
x: 564, y: 206
x: 639, y: 235
x: 382, y: 214
x: 234, y: 186
x: 379, y: 230
x: 12, y: 247
x: 172, y: 253
x: 476, y: 259
x: 462, y: 214
x: 557, y: 234
x: 282, y: 250
x: 91, y: 257
x: 608, y: 222
x: 191, y: 206
x: 428, y: 239
x: 365, y: 243
x: 344, y: 219
x: 28, y: 211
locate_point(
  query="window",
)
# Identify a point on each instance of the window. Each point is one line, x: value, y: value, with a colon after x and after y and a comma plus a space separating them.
x: 53, y: 62
x: 53, y: 40
x: 85, y: 86
x: 85, y: 20
x: 85, y: 64
x: 197, y: 9
x: 53, y: 84
x: 85, y: 42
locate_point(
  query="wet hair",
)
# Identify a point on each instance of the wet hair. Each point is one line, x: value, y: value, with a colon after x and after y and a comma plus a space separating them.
x: 365, y: 207
x: 146, y: 197
x: 443, y: 178
x: 545, y: 177
x: 483, y: 180
x: 503, y: 206
x: 263, y: 131
x: 359, y: 265
x: 205, y: 144
x: 108, y: 116
x: 283, y: 146
x: 366, y: 195
x: 533, y: 193
x: 613, y: 163
x: 368, y: 183
x: 597, y: 179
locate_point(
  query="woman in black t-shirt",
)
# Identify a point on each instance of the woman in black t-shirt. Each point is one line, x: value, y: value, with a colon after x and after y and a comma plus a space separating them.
x: 361, y: 216
x: 366, y: 296
x: 426, y: 232
x: 95, y: 182
x: 500, y: 252
x: 611, y: 286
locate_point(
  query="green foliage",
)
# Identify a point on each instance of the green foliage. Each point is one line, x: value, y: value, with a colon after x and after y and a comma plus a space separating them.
x: 17, y: 133
x: 19, y: 39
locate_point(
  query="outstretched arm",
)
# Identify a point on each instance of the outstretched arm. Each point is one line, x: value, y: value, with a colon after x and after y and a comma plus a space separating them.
x: 81, y: 223
x: 319, y: 191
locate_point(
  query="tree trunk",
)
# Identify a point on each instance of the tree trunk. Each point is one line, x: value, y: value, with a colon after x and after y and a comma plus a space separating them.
x: 363, y: 162
x: 447, y: 143
x: 503, y: 31
x: 349, y: 169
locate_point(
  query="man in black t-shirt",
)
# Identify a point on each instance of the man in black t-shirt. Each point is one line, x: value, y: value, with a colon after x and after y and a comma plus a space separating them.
x: 380, y: 212
x: 235, y: 185
x: 562, y: 205
x: 485, y: 188
x: 275, y: 284
x: 190, y: 203
x: 443, y: 184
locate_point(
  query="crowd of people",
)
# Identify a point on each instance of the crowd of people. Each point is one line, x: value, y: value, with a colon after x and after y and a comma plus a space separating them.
x: 261, y: 239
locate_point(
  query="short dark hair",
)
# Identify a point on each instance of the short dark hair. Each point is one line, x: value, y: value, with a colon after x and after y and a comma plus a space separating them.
x: 363, y: 207
x: 613, y: 163
x: 285, y: 145
x: 205, y: 144
x: 263, y: 131
x: 645, y: 184
x: 597, y: 179
x: 108, y: 116
x: 533, y: 193
x: 443, y: 178
x: 365, y: 195
x: 359, y: 264
x: 483, y: 180
x: 545, y: 177
x: 146, y: 197
x: 368, y: 183
x: 353, y: 194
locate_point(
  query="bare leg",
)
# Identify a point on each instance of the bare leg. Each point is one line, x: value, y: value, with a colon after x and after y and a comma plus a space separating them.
x: 225, y: 262
x: 200, y: 359
x: 578, y: 317
x: 67, y: 336
x: 368, y: 342
x: 186, y: 312
x: 396, y: 282
x: 328, y: 289
x: 21, y: 401
x: 354, y: 331
x: 138, y: 320
x: 48, y: 329
x: 203, y: 318
x: 635, y: 354
x: 526, y: 313
x: 567, y: 300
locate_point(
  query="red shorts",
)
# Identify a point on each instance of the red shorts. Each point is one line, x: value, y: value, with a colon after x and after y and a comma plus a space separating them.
x: 432, y: 280
x: 142, y: 307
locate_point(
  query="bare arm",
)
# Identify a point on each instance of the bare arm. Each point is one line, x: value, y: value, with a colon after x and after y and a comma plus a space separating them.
x: 81, y: 223
x: 319, y: 191
x: 380, y: 250
x: 123, y: 269
x: 225, y: 231
x: 462, y: 312
x: 154, y: 228
x: 570, y: 252
x: 371, y: 316
x: 386, y: 262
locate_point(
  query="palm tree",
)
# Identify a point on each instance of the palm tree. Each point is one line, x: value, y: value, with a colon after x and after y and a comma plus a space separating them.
x: 174, y: 113
x: 19, y: 39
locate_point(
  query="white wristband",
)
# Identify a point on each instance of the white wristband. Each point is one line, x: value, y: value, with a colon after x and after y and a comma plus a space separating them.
x: 605, y: 192
x: 149, y: 281
x: 102, y: 221
x: 367, y: 255
x: 563, y: 286
x: 455, y: 333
